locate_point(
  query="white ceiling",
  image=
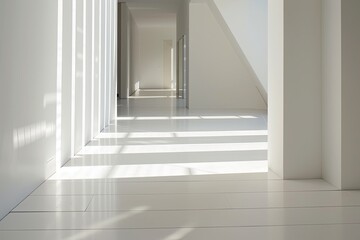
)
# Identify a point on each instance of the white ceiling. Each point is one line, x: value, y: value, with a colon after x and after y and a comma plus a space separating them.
x: 154, y: 13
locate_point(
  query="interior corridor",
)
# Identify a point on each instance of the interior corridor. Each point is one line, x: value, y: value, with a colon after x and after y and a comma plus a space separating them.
x: 163, y: 172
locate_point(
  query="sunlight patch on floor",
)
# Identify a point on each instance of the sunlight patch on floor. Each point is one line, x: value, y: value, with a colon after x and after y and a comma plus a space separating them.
x: 184, y: 134
x: 160, y: 170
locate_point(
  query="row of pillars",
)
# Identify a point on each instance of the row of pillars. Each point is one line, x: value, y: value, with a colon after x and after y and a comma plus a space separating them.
x: 314, y: 90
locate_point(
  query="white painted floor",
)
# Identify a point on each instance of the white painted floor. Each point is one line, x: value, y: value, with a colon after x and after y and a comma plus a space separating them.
x: 162, y: 172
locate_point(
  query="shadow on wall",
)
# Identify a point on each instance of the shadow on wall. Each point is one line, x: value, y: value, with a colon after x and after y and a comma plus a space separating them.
x: 49, y: 66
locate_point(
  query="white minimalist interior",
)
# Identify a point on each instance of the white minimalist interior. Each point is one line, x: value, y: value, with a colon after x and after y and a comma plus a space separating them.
x: 179, y: 119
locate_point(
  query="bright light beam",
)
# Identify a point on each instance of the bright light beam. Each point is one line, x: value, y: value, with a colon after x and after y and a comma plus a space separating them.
x: 73, y: 76
x: 100, y: 78
x: 174, y: 148
x: 244, y: 133
x: 84, y: 78
x: 160, y: 170
x: 59, y: 85
x: 92, y: 68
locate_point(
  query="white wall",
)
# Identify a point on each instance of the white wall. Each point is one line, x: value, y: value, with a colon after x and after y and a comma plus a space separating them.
x: 109, y: 51
x: 78, y: 76
x: 182, y: 22
x: 125, y: 51
x: 169, y: 80
x: 28, y: 71
x: 135, y: 69
x: 182, y: 29
x: 103, y: 72
x: 248, y: 23
x: 151, y: 55
x: 218, y: 77
x: 65, y: 85
x: 47, y: 58
x: 88, y: 70
x: 143, y: 61
x: 114, y: 60
x: 295, y: 88
x: 95, y: 61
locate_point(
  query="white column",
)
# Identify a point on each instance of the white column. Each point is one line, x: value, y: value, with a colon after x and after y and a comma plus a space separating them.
x: 125, y: 51
x: 341, y: 87
x: 295, y: 88
x: 331, y: 86
x: 350, y: 88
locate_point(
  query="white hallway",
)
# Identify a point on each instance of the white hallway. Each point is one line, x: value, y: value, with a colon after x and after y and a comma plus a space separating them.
x: 162, y: 172
x: 148, y: 168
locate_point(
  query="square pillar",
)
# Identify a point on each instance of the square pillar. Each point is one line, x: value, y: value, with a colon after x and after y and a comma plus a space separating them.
x: 341, y: 87
x: 295, y: 88
x: 350, y: 91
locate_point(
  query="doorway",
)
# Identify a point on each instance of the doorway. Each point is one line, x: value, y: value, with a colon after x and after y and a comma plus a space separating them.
x: 181, y: 68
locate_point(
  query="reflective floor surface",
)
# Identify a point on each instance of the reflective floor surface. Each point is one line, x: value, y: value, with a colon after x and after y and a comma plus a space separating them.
x: 162, y: 172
